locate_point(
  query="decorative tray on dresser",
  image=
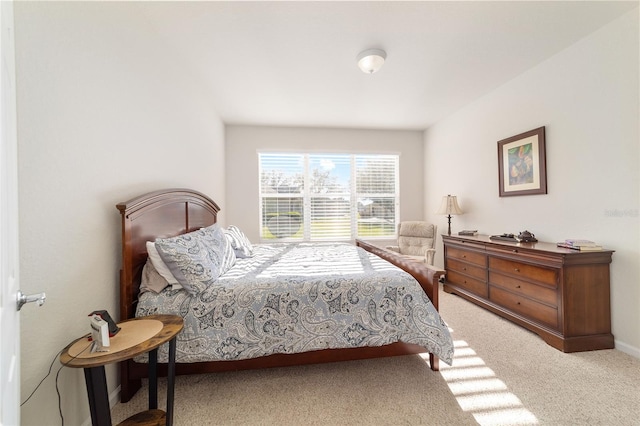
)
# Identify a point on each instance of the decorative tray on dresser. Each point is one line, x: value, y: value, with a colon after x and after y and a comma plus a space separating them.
x: 560, y: 294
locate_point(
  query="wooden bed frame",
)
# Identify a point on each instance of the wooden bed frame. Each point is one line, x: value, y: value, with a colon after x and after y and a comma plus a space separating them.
x: 171, y: 212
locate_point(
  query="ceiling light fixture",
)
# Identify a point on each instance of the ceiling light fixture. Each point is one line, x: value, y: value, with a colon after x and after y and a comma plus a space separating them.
x: 371, y: 60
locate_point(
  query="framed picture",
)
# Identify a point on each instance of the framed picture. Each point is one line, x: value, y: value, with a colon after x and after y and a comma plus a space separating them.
x: 522, y: 164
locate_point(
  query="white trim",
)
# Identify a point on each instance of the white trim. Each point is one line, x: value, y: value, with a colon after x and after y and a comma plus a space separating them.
x: 9, y: 223
x: 627, y: 349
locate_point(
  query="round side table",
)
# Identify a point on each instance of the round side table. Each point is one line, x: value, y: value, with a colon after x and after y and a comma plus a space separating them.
x: 136, y: 336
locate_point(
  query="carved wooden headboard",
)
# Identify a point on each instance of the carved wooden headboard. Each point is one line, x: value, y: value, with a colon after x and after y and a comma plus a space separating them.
x: 164, y: 213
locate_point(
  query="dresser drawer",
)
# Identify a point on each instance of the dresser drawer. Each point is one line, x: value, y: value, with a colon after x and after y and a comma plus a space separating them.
x: 540, y: 293
x: 546, y: 276
x: 474, y: 257
x: 465, y: 282
x: 474, y: 271
x: 524, y: 306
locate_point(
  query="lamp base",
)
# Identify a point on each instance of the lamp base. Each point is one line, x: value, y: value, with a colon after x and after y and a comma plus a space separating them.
x: 449, y: 218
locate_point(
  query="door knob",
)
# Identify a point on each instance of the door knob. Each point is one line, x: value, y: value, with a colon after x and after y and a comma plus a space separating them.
x: 23, y: 298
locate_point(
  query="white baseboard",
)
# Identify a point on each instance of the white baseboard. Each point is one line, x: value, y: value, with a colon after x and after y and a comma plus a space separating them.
x: 628, y: 349
x: 114, y: 397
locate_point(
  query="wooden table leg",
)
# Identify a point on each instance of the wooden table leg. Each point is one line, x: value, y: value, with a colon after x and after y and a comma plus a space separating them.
x: 98, y: 396
x: 153, y: 379
x: 171, y: 379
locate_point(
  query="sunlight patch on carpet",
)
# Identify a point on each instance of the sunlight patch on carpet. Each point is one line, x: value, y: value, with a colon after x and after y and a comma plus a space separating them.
x: 479, y: 392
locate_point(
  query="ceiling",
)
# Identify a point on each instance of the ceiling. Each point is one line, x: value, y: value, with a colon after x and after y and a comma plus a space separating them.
x: 294, y: 63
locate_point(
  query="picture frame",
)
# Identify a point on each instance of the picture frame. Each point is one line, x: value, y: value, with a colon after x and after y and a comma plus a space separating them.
x: 522, y: 168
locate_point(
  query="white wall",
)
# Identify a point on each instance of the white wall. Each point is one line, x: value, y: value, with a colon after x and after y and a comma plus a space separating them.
x: 244, y: 142
x: 587, y: 98
x: 105, y: 113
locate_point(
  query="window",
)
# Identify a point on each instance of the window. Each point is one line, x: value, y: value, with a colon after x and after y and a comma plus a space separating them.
x: 305, y: 197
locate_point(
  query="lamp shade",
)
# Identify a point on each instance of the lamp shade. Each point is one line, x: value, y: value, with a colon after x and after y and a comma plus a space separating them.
x: 371, y: 60
x: 449, y: 206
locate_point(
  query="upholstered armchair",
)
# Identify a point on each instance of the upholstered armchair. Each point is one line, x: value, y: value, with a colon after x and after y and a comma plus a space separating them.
x: 416, y: 239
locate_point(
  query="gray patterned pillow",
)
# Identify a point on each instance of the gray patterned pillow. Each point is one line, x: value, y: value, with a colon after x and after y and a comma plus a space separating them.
x: 239, y: 241
x: 198, y: 258
x: 214, y: 236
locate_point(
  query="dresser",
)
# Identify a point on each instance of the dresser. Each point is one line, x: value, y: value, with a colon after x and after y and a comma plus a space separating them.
x: 560, y: 294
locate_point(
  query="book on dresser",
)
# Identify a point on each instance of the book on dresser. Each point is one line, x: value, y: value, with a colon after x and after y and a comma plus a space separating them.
x: 468, y: 232
x: 582, y: 245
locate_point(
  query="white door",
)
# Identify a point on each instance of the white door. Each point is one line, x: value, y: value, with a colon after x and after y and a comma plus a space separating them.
x: 9, y: 319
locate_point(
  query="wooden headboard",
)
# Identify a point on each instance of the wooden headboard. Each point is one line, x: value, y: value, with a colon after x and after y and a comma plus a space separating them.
x: 164, y: 213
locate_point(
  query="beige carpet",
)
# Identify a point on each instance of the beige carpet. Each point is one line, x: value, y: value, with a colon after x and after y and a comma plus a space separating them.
x: 502, y: 375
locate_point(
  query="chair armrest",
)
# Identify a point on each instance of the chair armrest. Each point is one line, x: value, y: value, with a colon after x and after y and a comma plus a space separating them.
x: 393, y: 248
x: 429, y: 256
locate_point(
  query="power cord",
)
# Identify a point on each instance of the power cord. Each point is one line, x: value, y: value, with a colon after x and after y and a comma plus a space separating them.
x: 57, y: 374
x: 43, y: 379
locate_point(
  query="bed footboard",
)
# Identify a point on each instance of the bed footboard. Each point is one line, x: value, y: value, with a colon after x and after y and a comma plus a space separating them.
x: 427, y: 276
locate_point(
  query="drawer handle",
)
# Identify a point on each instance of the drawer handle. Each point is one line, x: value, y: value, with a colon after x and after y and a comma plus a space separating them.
x: 517, y: 270
x: 515, y: 250
x: 464, y: 269
x: 517, y: 286
x: 517, y: 303
x: 464, y: 256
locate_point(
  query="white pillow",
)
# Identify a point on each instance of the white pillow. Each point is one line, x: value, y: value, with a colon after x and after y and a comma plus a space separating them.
x: 160, y: 266
x: 239, y: 241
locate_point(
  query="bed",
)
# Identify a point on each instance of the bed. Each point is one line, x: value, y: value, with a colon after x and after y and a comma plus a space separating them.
x: 283, y: 328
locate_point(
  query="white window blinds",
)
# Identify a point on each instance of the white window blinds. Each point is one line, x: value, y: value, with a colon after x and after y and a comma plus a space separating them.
x: 327, y: 196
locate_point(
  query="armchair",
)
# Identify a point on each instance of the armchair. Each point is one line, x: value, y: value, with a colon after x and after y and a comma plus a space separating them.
x: 416, y: 239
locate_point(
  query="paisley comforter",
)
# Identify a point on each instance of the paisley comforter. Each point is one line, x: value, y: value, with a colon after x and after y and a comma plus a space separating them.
x: 291, y: 298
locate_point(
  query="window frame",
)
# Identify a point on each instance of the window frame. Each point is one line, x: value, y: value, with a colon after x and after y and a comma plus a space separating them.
x: 307, y: 196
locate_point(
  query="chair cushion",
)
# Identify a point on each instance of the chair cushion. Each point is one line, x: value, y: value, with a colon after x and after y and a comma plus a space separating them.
x: 415, y: 237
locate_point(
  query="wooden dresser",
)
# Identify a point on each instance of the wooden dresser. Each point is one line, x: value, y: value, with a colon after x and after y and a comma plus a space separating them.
x: 560, y: 294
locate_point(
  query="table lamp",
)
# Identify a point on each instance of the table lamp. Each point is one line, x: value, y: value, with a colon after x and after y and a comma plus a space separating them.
x: 448, y: 207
